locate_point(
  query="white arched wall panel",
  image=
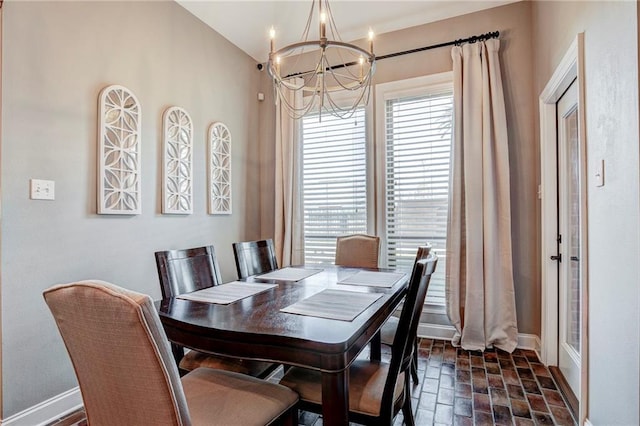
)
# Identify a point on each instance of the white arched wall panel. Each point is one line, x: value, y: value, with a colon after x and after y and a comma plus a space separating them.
x: 119, y: 151
x: 219, y: 169
x: 177, y: 161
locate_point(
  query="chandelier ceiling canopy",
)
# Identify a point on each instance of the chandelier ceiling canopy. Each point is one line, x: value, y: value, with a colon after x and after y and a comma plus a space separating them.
x: 339, y: 74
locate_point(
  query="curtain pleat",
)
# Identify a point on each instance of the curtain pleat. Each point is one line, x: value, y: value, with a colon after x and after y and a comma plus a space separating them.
x: 288, y: 238
x: 479, y: 274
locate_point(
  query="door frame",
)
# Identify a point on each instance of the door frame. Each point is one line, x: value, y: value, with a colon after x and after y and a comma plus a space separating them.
x: 571, y: 67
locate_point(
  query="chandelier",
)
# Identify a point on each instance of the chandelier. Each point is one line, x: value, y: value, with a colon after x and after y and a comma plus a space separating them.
x: 339, y: 76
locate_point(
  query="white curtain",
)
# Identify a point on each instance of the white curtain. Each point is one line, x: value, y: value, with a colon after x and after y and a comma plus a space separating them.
x: 288, y: 238
x: 479, y: 272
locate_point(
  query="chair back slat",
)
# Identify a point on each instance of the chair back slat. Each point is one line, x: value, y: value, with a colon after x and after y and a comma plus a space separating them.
x: 254, y: 257
x: 187, y: 270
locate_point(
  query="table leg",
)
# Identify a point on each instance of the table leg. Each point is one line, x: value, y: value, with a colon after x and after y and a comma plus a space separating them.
x: 375, y: 348
x: 335, y: 398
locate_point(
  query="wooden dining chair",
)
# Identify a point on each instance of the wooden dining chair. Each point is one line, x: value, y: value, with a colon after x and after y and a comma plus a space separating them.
x: 127, y: 377
x: 358, y: 251
x: 388, y: 330
x: 254, y: 257
x: 187, y: 270
x: 377, y: 390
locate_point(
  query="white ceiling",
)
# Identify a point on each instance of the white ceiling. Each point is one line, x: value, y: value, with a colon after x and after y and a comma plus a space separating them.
x: 246, y: 23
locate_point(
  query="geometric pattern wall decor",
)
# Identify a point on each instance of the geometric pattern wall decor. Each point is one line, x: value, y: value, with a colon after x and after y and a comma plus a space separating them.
x: 219, y: 169
x: 119, y: 151
x: 177, y: 162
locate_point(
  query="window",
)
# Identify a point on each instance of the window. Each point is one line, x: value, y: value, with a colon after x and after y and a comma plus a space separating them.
x: 415, y: 130
x: 334, y: 189
x: 411, y: 168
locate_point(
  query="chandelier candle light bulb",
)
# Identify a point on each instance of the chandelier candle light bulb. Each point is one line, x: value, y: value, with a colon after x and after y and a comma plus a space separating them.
x: 371, y: 35
x: 323, y: 25
x: 272, y: 37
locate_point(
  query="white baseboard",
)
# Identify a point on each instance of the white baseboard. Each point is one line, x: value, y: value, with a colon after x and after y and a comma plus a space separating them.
x: 69, y: 401
x: 587, y: 422
x: 446, y: 332
x: 47, y: 411
x: 436, y: 331
x: 529, y: 341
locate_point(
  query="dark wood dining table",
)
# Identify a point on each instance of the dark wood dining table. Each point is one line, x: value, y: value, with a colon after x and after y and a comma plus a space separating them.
x: 255, y: 328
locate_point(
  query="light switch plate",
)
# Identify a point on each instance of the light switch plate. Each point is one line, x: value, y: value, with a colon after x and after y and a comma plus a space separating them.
x: 42, y: 189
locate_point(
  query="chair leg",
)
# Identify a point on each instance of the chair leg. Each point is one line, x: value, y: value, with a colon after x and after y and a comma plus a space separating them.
x: 414, y: 364
x: 290, y: 418
x: 177, y: 351
x: 407, y: 411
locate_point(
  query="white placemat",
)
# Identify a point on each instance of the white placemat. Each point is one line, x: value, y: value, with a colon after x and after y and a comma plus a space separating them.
x: 334, y: 304
x: 289, y: 274
x: 373, y: 279
x: 225, y: 294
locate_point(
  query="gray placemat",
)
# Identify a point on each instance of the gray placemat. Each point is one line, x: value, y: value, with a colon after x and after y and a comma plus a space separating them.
x: 227, y: 293
x: 289, y: 274
x: 334, y: 304
x: 373, y: 279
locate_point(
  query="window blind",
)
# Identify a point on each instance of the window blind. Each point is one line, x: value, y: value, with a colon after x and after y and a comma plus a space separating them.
x: 418, y: 132
x: 334, y: 182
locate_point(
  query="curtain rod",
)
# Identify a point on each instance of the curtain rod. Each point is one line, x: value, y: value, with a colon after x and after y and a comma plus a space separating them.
x: 472, y: 39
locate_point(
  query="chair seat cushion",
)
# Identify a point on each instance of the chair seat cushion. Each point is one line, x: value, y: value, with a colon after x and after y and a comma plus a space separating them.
x: 195, y: 359
x: 216, y: 397
x: 366, y: 384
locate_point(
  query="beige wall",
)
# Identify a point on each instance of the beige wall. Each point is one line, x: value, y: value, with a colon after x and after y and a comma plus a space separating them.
x: 611, y: 112
x: 57, y: 57
x: 514, y: 23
